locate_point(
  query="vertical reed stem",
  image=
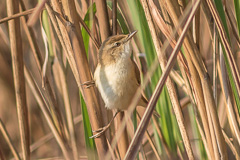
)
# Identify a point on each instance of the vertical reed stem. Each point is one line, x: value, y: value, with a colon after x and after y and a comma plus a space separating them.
x: 18, y: 75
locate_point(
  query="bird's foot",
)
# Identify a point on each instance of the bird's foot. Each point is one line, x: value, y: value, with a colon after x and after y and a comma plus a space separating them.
x: 99, y: 132
x: 88, y: 84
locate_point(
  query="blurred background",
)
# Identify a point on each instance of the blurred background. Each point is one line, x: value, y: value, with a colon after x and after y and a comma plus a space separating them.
x: 60, y: 120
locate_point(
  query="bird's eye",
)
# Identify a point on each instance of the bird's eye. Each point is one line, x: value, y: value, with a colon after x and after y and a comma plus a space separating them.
x: 117, y: 44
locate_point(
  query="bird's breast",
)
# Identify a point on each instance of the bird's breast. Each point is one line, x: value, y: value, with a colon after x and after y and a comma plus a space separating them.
x: 115, y: 83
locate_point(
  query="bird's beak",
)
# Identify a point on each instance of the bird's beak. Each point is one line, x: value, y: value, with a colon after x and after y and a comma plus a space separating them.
x: 131, y: 35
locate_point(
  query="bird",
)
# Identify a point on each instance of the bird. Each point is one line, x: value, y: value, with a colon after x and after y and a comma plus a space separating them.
x: 117, y: 76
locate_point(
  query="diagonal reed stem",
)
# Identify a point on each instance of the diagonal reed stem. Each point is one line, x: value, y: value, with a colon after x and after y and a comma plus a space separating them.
x: 133, y: 148
x: 8, y: 140
x: 169, y: 84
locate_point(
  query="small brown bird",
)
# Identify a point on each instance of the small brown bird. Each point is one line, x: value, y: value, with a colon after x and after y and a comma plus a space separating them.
x: 117, y: 76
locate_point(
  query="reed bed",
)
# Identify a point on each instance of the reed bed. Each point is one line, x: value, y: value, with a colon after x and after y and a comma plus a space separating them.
x: 188, y: 56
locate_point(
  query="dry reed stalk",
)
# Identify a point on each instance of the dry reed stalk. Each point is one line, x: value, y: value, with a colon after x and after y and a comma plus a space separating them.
x: 184, y: 83
x: 60, y: 28
x: 36, y: 13
x: 32, y: 41
x: 231, y: 146
x: 233, y: 22
x: 43, y: 140
x: 34, y: 146
x: 204, y: 89
x: 169, y: 83
x: 85, y: 5
x: 196, y: 28
x: 222, y: 110
x: 68, y: 109
x: 138, y: 93
x: 133, y: 148
x: 111, y: 151
x: 202, y: 124
x: 49, y: 92
x: 17, y: 15
x: 8, y: 140
x: 123, y: 141
x: 103, y: 19
x: 150, y: 140
x: 200, y: 101
x: 193, y: 79
x: 67, y: 106
x: 42, y: 104
x: 75, y: 43
x: 96, y: 42
x: 198, y: 96
x: 166, y: 148
x: 1, y: 154
x: 201, y: 131
x: 213, y: 136
x: 114, y: 17
x: 224, y: 81
x: 175, y: 76
x: 215, y: 60
x: 18, y: 74
x: 148, y: 134
x: 229, y: 53
x: 152, y: 145
x: 90, y: 97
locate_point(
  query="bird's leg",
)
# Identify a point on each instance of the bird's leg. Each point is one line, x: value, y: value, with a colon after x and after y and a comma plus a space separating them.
x: 88, y: 84
x: 100, y: 131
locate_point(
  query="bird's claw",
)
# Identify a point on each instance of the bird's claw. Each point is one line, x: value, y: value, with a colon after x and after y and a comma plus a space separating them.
x: 88, y: 84
x: 96, y: 135
x: 99, y: 132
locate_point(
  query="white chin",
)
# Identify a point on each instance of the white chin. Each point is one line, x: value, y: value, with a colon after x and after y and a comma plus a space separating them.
x: 127, y: 47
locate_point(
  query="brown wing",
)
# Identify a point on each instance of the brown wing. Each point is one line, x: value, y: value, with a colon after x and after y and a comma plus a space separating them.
x: 143, y: 101
x: 137, y: 72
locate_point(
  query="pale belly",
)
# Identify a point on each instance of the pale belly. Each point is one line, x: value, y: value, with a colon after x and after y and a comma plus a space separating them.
x: 116, y: 86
